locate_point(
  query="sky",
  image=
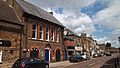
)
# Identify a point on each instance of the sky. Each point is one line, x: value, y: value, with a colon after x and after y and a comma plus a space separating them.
x: 99, y: 18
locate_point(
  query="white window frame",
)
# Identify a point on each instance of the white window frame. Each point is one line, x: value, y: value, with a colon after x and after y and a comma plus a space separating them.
x: 34, y: 30
x: 57, y: 37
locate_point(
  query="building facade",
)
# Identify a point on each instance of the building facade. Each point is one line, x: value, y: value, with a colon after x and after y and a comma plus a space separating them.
x: 10, y: 31
x: 72, y: 42
x: 42, y: 33
x: 87, y: 43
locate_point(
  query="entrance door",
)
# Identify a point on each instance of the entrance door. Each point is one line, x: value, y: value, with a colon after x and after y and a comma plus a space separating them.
x: 57, y: 55
x: 34, y: 52
x: 47, y: 55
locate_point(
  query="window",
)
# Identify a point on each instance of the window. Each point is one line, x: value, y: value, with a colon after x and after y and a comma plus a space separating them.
x: 47, y: 33
x: 57, y: 37
x: 41, y: 32
x: 52, y: 36
x: 34, y: 31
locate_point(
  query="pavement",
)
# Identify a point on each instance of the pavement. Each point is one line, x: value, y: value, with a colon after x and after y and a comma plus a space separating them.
x: 6, y: 65
x: 60, y: 64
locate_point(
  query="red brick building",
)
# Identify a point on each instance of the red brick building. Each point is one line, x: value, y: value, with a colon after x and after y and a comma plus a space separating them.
x: 70, y: 41
x: 43, y: 33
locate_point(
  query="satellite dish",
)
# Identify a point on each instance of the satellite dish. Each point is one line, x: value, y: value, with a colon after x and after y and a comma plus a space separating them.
x: 65, y: 32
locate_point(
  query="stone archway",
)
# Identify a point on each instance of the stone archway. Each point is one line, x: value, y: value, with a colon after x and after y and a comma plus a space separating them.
x: 34, y: 52
x: 58, y: 55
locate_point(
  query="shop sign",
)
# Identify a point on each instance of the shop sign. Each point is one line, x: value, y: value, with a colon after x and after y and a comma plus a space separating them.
x: 78, y: 48
x: 70, y: 43
x: 5, y: 43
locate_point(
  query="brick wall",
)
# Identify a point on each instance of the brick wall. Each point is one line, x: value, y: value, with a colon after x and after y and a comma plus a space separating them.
x: 11, y: 53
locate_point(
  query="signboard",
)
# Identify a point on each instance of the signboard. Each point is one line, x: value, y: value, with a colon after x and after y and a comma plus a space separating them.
x: 78, y: 48
x: 70, y: 43
x: 5, y: 43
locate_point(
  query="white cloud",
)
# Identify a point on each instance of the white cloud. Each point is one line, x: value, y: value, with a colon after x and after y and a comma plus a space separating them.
x: 79, y: 24
x: 110, y: 16
x: 103, y: 40
x: 67, y: 4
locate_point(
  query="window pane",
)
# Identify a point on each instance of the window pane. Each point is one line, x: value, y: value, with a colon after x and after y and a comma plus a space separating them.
x: 34, y: 26
x: 47, y: 33
x: 33, y: 34
x: 34, y: 30
x: 41, y: 31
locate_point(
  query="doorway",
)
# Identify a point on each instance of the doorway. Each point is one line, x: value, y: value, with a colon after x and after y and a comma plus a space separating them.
x: 34, y: 52
x: 47, y: 55
x: 57, y: 55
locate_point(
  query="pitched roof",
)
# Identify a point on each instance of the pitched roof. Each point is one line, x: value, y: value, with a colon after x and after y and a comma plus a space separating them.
x: 67, y: 37
x: 36, y: 11
x: 7, y: 13
x: 70, y: 32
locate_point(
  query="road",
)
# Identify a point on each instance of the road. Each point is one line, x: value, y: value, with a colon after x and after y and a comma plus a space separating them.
x: 99, y: 62
x: 93, y: 63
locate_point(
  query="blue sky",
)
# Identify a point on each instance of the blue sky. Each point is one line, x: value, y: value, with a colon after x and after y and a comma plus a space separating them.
x: 99, y: 18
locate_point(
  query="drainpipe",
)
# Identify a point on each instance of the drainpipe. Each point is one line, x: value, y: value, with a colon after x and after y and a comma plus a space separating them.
x: 20, y: 49
x: 26, y: 36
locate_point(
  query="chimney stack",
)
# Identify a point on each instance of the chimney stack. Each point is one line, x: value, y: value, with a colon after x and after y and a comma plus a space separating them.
x: 51, y: 13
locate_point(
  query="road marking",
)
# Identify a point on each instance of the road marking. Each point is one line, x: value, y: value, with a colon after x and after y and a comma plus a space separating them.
x: 91, y: 64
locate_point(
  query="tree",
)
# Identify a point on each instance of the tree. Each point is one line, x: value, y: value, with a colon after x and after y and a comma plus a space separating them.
x: 108, y: 44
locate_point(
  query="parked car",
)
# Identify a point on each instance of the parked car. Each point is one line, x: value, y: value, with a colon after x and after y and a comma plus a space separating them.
x: 107, y: 53
x: 95, y: 55
x: 30, y: 63
x: 85, y: 56
x: 76, y: 58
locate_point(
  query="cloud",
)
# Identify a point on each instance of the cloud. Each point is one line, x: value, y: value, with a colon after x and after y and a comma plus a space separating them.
x: 102, y: 40
x: 67, y: 4
x: 83, y: 23
x: 110, y: 16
